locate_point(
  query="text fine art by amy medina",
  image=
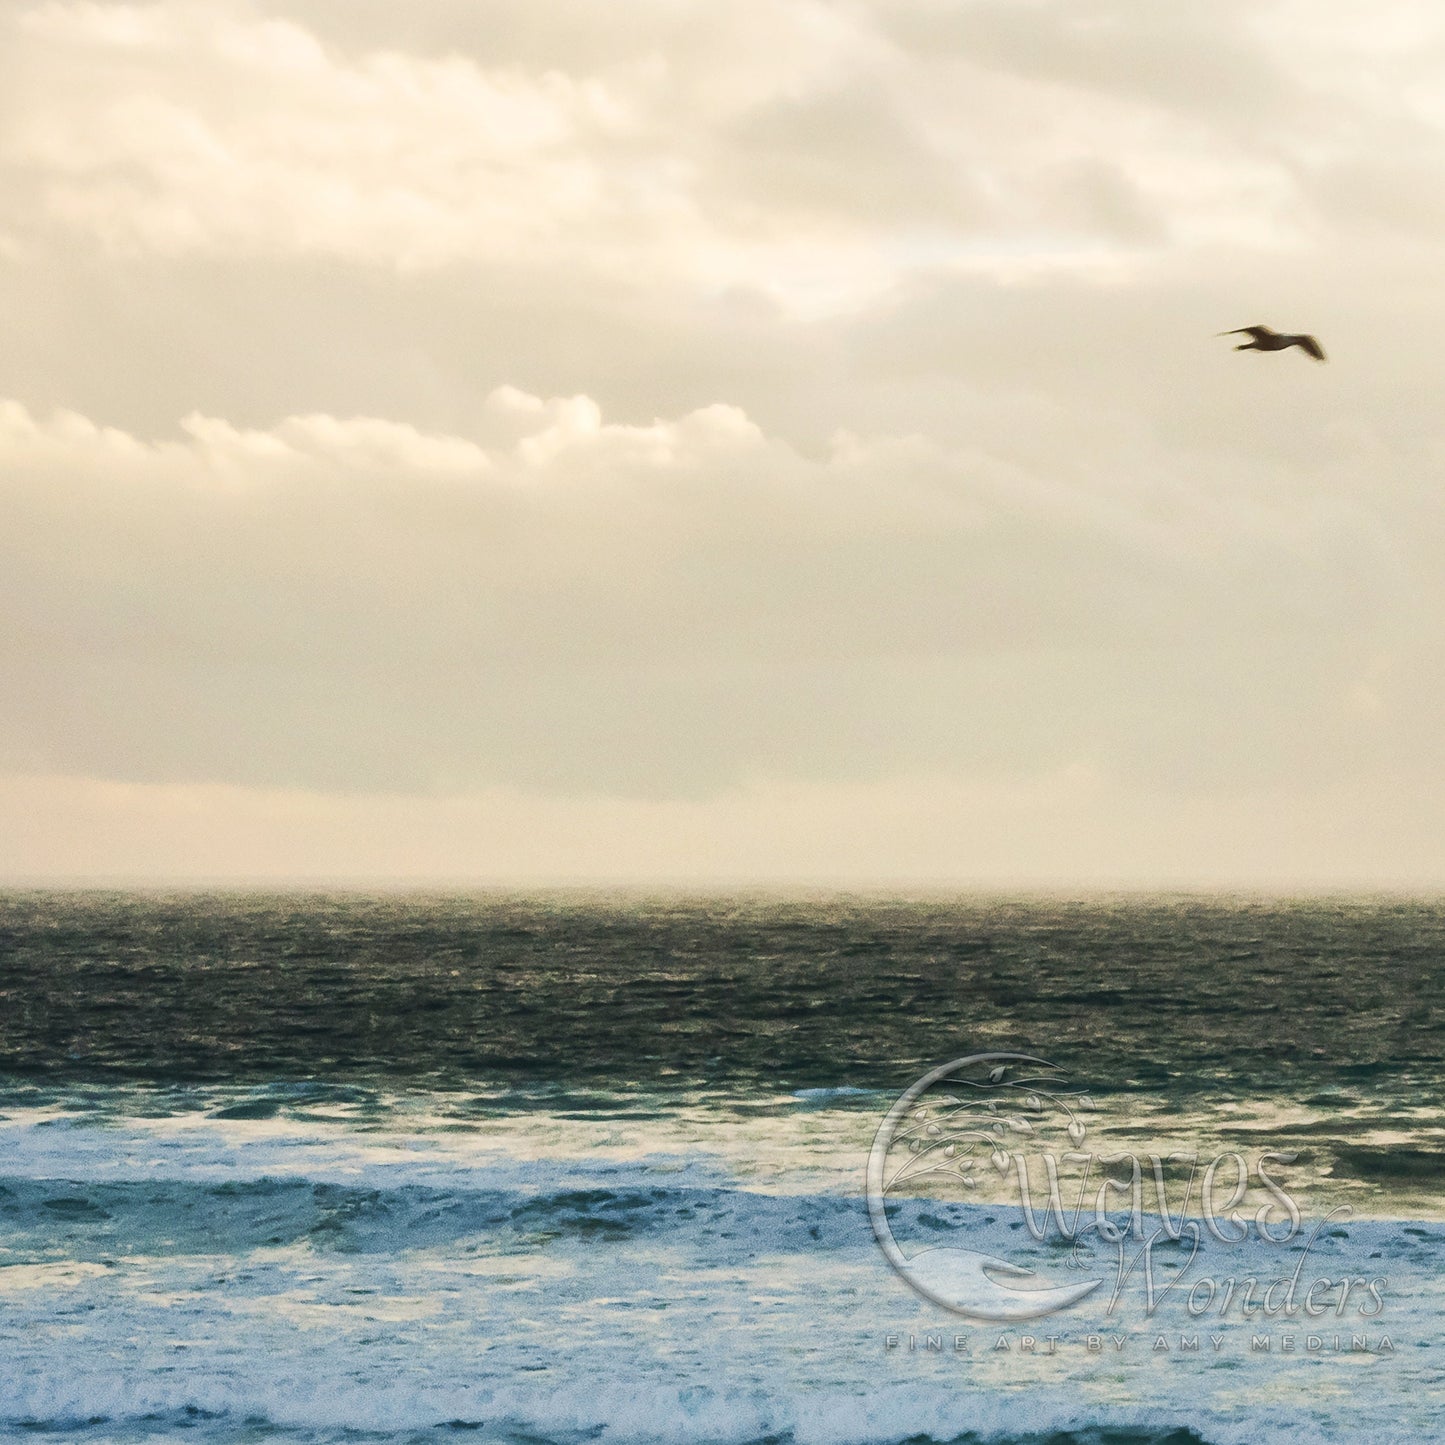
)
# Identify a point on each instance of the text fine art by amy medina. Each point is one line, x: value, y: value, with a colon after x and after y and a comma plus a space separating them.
x: 722, y: 724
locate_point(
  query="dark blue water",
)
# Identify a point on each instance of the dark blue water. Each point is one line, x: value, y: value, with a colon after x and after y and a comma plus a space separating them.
x: 1167, y: 993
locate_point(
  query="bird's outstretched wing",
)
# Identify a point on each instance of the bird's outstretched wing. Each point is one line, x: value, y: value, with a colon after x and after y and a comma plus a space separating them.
x: 1254, y: 331
x: 1308, y: 343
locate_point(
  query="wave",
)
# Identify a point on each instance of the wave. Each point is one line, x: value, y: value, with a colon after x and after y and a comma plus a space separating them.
x: 523, y: 1203
x: 89, y: 1220
x: 626, y: 1310
x: 634, y: 1413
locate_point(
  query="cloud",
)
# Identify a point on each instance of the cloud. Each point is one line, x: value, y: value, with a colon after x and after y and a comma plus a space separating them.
x: 390, y: 158
x: 628, y: 410
x: 775, y: 143
x: 564, y: 602
x: 1218, y: 63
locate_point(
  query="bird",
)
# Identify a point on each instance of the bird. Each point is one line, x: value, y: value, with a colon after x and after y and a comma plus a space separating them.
x: 1266, y: 340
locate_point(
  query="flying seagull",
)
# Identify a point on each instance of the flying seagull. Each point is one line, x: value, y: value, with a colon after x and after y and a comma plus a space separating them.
x: 1266, y: 340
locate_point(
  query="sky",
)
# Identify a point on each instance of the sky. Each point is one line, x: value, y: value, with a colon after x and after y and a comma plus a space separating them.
x: 660, y: 441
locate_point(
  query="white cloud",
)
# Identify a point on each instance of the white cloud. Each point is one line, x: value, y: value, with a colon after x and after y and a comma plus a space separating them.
x: 797, y: 148
x: 569, y: 603
x: 204, y: 131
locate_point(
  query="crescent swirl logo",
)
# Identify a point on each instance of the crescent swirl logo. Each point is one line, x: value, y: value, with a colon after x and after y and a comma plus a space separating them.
x: 942, y: 1132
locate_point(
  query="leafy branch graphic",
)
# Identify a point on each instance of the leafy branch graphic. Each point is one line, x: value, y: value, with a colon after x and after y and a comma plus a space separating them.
x: 949, y: 1135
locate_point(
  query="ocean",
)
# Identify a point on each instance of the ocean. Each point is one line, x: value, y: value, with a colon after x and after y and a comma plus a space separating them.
x: 583, y: 1166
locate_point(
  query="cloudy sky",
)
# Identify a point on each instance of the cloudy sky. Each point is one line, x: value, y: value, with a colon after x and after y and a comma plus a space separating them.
x: 483, y: 439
